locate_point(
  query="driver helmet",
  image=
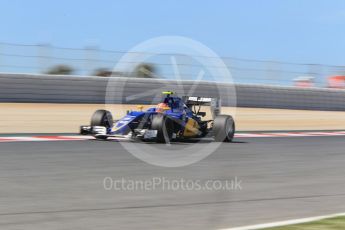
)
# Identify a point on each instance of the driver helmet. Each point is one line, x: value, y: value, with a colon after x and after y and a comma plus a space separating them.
x: 162, y: 107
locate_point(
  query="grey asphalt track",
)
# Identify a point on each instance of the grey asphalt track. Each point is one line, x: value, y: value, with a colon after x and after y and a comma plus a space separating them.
x: 59, y: 185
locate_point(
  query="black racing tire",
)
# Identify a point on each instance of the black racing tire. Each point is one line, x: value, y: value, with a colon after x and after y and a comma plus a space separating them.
x: 102, y: 118
x: 164, y: 126
x: 223, y: 128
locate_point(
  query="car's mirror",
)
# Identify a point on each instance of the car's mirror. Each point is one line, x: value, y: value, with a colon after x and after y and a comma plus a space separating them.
x: 202, y: 114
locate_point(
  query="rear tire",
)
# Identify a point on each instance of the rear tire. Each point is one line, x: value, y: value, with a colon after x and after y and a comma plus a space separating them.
x: 223, y: 128
x: 164, y: 126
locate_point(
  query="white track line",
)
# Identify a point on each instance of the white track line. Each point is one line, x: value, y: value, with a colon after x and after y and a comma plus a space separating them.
x: 286, y: 222
x: 79, y: 137
x: 290, y: 134
x: 237, y: 135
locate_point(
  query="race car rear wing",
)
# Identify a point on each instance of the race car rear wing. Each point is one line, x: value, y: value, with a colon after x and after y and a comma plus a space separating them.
x: 214, y: 103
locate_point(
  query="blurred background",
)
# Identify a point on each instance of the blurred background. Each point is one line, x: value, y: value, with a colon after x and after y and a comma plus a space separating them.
x: 95, y: 61
x: 290, y: 43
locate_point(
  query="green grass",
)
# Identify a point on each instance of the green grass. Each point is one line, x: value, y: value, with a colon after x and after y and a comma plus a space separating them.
x: 336, y: 223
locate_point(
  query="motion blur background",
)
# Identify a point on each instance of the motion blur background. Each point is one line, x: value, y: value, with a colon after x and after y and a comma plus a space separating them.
x: 289, y: 43
x: 94, y: 61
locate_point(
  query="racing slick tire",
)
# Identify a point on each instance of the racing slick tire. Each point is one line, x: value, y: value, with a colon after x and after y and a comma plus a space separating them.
x: 102, y: 118
x: 164, y: 126
x: 223, y: 128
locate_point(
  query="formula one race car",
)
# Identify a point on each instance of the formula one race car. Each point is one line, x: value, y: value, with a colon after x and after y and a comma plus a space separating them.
x: 174, y: 118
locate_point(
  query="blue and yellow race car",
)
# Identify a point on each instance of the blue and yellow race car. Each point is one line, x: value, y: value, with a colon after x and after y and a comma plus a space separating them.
x: 175, y: 118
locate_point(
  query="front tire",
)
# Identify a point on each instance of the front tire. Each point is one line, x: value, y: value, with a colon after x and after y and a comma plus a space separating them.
x: 164, y: 126
x: 102, y: 118
x: 223, y: 128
